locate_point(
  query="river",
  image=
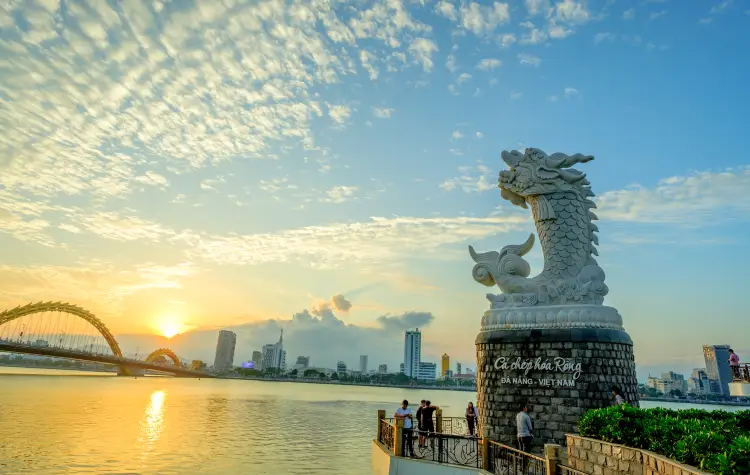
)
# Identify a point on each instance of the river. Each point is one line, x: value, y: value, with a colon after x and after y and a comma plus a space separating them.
x: 69, y: 422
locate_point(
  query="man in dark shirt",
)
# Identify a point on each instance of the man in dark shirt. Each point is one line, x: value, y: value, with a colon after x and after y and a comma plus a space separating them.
x: 419, y: 424
x: 427, y: 423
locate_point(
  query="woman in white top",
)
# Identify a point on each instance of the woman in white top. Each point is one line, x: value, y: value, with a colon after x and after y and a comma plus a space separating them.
x: 619, y: 400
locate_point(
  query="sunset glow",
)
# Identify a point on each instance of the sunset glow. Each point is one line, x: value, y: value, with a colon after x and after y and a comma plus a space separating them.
x: 170, y: 326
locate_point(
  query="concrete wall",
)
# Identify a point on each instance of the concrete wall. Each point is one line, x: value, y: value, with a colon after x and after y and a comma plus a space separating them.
x: 383, y: 463
x: 602, y: 458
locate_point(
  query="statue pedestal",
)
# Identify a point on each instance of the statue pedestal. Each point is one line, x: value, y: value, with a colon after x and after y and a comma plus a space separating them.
x: 559, y: 360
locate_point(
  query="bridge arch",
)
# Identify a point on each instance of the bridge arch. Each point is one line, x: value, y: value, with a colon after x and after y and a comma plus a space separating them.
x: 41, y: 307
x: 163, y: 352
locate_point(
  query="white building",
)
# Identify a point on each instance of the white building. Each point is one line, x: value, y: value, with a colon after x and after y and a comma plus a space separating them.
x: 274, y: 355
x: 303, y: 362
x: 363, y: 364
x: 383, y: 369
x: 224, y: 359
x: 412, y: 352
x: 699, y: 382
x: 427, y: 371
x: 341, y: 367
x: 258, y: 360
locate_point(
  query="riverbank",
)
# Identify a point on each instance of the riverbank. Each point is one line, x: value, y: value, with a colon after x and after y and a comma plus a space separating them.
x: 697, y: 401
x: 367, y: 385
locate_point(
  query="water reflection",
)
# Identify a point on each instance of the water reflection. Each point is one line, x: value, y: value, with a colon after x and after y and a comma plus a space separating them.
x: 153, y: 421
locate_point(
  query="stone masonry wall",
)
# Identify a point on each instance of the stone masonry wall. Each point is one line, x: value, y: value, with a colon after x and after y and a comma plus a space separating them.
x: 602, y: 458
x: 555, y: 411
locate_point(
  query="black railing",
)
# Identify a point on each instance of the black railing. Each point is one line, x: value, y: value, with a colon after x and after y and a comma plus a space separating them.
x: 387, y: 431
x: 452, y: 449
x: 504, y: 460
x: 457, y: 426
x: 565, y: 470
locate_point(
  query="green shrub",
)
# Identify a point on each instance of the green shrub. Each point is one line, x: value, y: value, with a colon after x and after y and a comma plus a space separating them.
x: 715, y: 441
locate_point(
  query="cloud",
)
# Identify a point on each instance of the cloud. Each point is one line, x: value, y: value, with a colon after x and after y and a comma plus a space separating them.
x: 339, y: 114
x: 471, y: 180
x: 476, y: 18
x: 457, y: 135
x: 628, y: 14
x: 655, y: 15
x: 340, y: 303
x: 382, y: 112
x: 378, y: 240
x: 317, y: 332
x: 529, y: 60
x: 516, y: 95
x: 557, y: 21
x: 406, y: 321
x: 340, y: 194
x: 489, y: 64
x: 570, y: 92
x: 91, y: 96
x: 604, y: 36
x: 696, y: 200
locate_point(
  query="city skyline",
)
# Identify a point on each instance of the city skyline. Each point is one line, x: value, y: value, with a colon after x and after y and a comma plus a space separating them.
x: 174, y: 184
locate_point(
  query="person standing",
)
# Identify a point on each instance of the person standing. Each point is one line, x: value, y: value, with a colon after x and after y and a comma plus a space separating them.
x: 471, y: 417
x: 427, y: 423
x: 619, y: 400
x: 420, y: 429
x: 404, y: 413
x: 734, y: 364
x: 524, y: 428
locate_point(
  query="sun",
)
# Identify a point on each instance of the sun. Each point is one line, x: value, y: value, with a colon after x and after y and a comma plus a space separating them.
x: 170, y: 325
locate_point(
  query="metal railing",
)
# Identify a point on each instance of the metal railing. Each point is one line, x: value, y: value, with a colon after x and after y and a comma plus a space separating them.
x: 504, y: 460
x: 450, y: 449
x: 386, y: 433
x: 565, y: 470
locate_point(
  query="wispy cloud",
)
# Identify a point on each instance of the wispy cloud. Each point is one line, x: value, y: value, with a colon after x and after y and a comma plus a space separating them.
x: 529, y: 60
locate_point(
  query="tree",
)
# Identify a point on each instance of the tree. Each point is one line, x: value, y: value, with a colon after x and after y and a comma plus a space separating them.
x: 293, y: 372
x: 310, y: 373
x: 335, y: 376
x: 322, y: 375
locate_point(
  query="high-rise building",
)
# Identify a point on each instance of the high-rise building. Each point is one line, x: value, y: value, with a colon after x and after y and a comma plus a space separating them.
x: 363, y: 364
x: 717, y: 368
x: 303, y: 362
x: 383, y: 369
x: 445, y: 365
x: 401, y: 368
x: 341, y: 367
x: 274, y: 355
x: 699, y: 383
x: 426, y: 371
x: 458, y: 367
x: 257, y: 360
x: 224, y: 359
x: 412, y: 352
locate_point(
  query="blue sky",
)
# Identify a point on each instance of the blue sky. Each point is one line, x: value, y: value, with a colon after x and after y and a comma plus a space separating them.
x: 235, y: 163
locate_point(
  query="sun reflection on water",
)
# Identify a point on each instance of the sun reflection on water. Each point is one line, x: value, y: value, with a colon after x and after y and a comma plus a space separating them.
x: 152, y: 425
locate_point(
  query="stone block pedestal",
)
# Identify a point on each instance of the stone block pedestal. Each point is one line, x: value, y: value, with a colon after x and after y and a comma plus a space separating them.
x: 559, y: 373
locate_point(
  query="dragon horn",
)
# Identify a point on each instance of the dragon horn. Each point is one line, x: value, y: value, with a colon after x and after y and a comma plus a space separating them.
x: 519, y: 250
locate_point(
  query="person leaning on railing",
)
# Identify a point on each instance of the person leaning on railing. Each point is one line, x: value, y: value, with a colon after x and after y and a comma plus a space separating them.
x: 405, y: 413
x: 734, y: 364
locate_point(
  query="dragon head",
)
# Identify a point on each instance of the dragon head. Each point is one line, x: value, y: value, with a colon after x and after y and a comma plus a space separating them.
x: 535, y: 173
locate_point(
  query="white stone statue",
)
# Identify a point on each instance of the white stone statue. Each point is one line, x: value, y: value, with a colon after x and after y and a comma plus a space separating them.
x: 559, y: 199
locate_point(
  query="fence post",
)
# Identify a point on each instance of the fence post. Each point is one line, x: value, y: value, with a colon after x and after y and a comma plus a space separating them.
x: 398, y: 438
x: 551, y: 457
x: 381, y: 416
x: 439, y: 421
x: 486, y: 454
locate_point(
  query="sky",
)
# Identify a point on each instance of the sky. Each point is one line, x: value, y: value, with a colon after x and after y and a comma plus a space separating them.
x: 322, y: 166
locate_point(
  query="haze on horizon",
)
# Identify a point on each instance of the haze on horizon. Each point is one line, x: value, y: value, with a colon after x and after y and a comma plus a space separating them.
x: 180, y: 167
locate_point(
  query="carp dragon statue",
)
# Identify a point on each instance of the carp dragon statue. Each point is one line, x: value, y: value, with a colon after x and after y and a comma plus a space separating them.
x: 558, y: 196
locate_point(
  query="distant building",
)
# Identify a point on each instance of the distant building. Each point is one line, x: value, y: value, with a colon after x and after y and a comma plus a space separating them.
x: 427, y: 371
x: 448, y: 374
x: 401, y: 368
x: 303, y: 362
x: 458, y: 367
x: 341, y: 367
x: 383, y: 369
x: 412, y: 352
x: 717, y: 368
x: 274, y: 355
x: 445, y: 365
x: 258, y: 360
x: 224, y: 359
x: 363, y: 364
x: 699, y: 383
x: 668, y: 382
